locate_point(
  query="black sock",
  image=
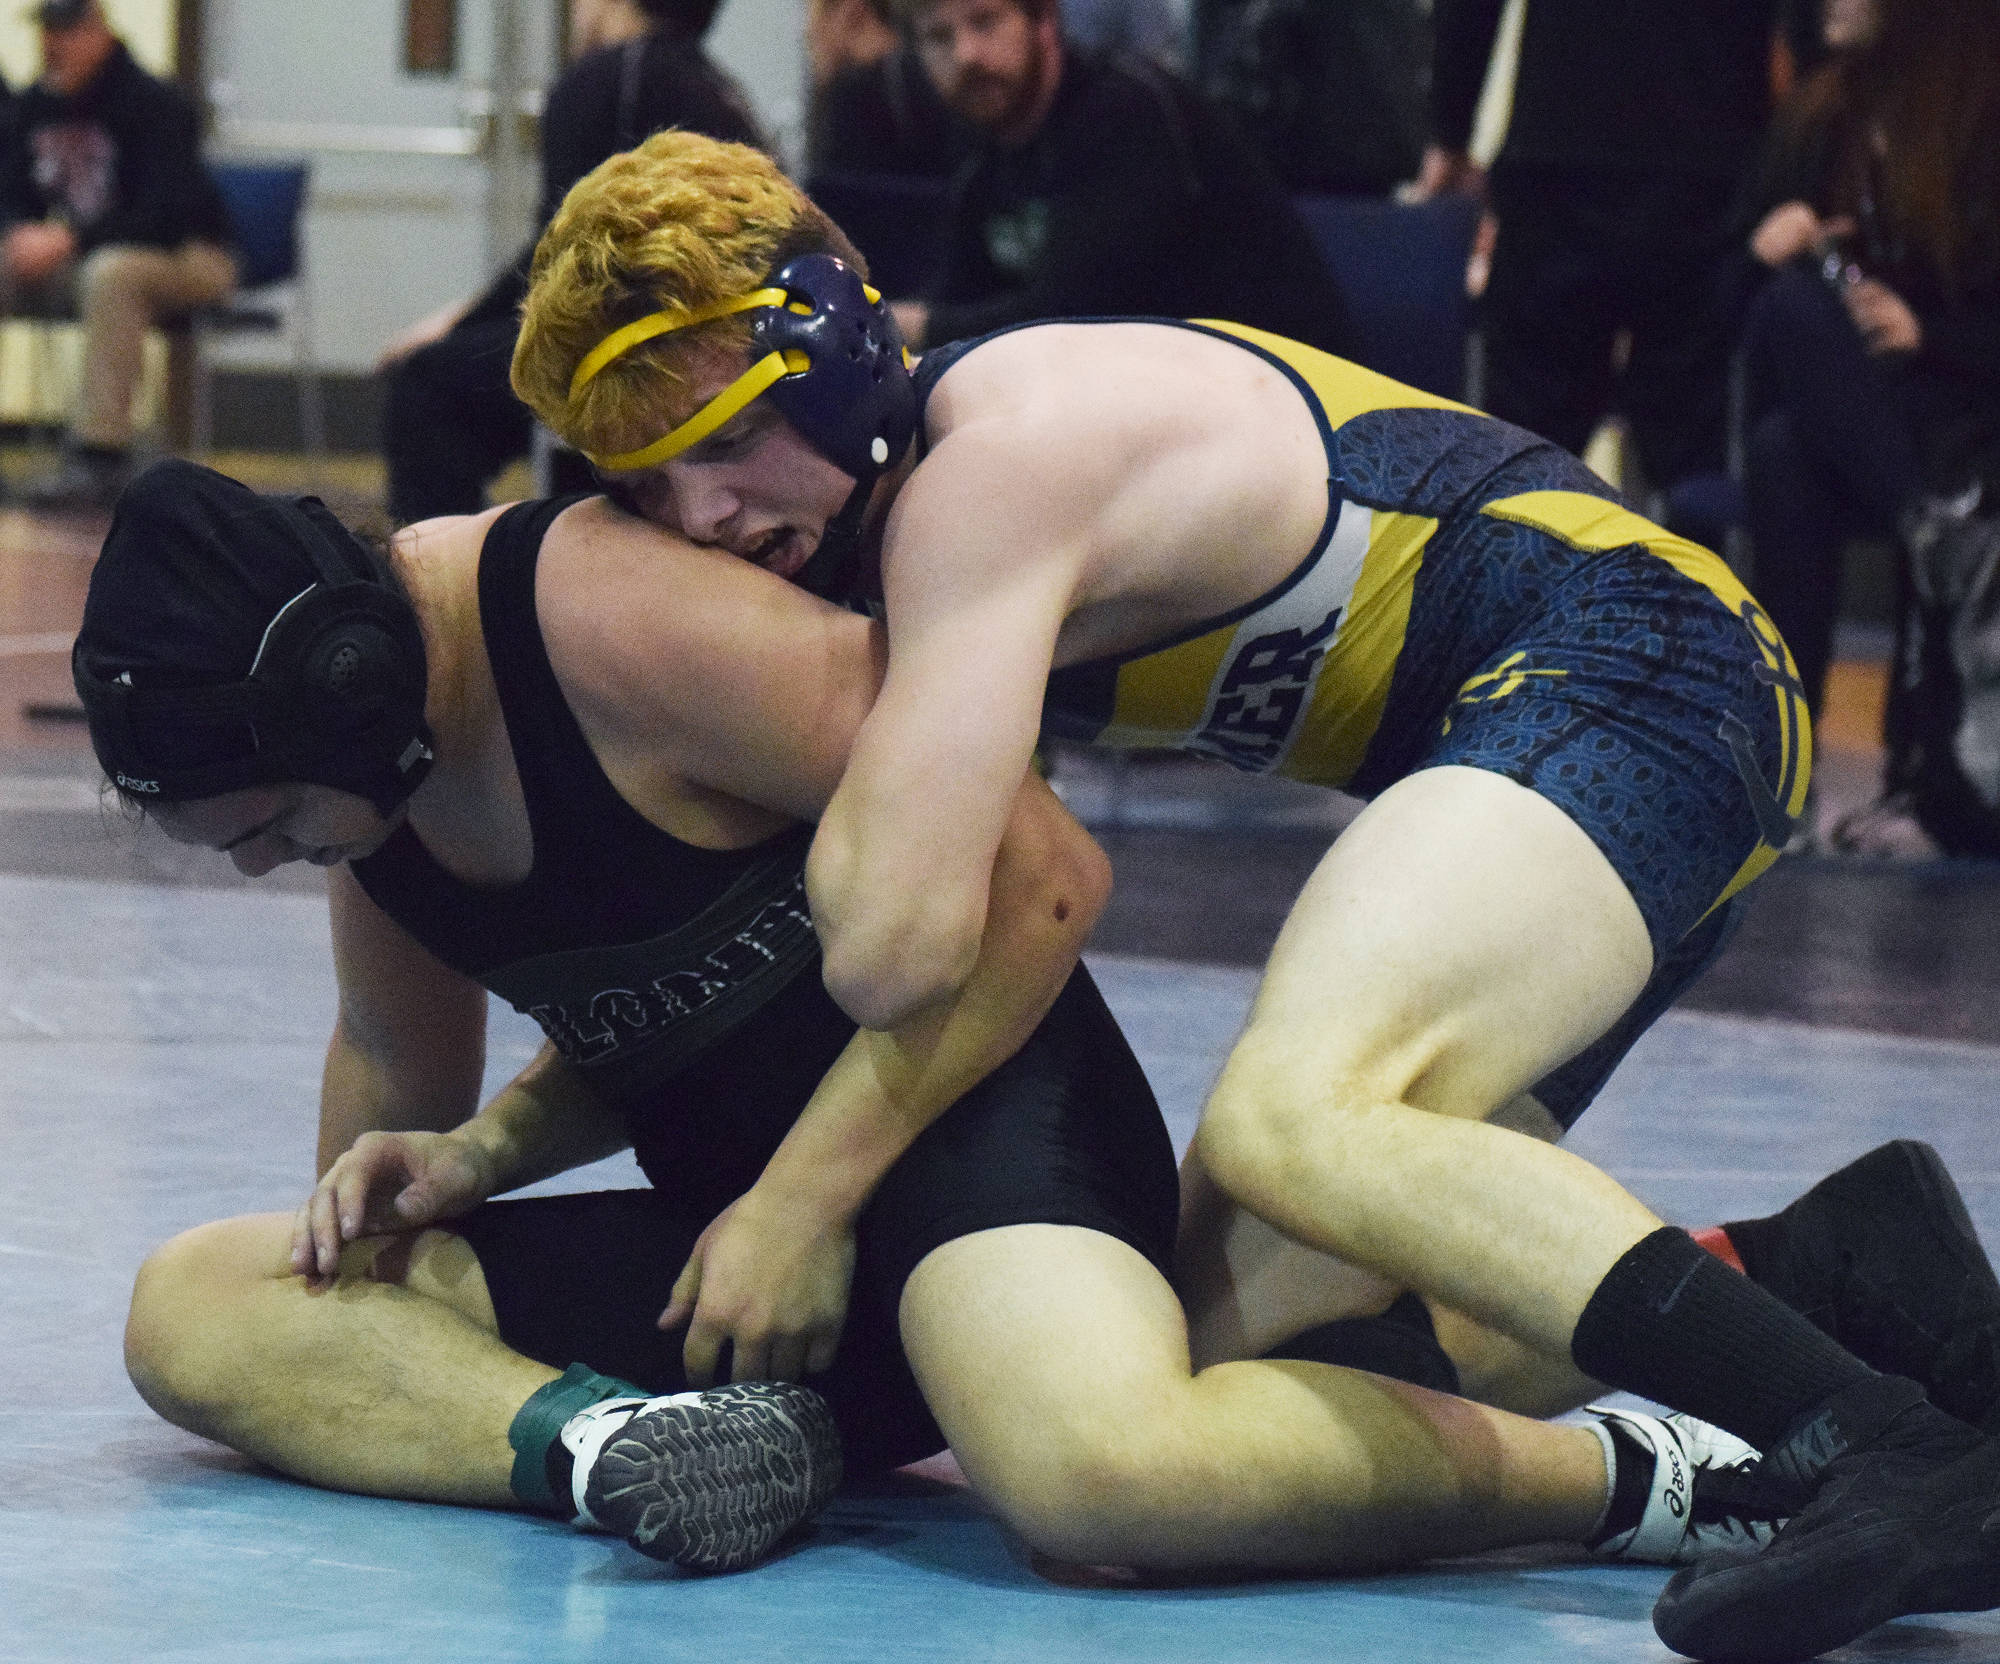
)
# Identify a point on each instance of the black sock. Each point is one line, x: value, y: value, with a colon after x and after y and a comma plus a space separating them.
x: 1674, y: 1324
x: 1632, y: 1461
x: 1401, y: 1343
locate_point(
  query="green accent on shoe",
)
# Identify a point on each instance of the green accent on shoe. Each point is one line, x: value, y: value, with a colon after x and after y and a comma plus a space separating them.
x: 538, y: 1424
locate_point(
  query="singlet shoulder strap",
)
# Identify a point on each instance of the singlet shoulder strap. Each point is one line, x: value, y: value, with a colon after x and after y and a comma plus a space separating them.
x: 560, y: 777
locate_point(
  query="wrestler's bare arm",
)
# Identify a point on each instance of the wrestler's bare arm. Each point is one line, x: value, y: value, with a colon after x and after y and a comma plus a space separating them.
x: 400, y: 1144
x: 980, y: 571
x: 748, y: 688
x: 409, y: 1040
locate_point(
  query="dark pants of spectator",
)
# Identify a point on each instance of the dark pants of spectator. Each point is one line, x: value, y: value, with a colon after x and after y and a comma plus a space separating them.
x: 1832, y: 455
x: 453, y: 422
x: 1582, y: 255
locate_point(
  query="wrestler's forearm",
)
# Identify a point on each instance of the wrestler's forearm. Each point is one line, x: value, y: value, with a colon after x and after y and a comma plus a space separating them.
x: 363, y: 1090
x: 543, y: 1122
x: 1050, y: 882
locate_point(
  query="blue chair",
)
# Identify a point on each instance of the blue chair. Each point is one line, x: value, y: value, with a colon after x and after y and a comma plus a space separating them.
x: 264, y: 201
x: 1401, y: 268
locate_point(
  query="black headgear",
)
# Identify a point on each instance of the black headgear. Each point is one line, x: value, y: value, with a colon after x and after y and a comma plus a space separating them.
x: 232, y: 640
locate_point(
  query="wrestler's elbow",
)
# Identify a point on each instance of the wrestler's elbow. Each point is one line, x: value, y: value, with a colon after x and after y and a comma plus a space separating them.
x: 890, y: 949
x: 887, y: 971
x: 1065, y: 874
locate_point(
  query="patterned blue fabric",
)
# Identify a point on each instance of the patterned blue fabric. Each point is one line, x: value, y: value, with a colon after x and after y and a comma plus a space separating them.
x: 1420, y: 460
x: 1614, y: 701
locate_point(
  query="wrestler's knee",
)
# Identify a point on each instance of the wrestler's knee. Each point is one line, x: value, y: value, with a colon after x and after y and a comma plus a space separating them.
x: 1090, y: 1488
x: 1267, y: 1106
x: 181, y: 1303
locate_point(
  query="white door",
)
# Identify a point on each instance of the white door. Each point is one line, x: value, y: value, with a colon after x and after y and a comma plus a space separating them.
x: 420, y: 191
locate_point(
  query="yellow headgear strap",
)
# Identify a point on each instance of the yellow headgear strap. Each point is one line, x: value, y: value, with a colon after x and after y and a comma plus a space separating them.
x: 719, y: 409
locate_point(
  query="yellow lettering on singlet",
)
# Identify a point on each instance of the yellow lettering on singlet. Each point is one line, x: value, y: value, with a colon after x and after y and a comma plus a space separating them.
x: 1161, y: 698
x: 1353, y: 685
x: 1586, y: 522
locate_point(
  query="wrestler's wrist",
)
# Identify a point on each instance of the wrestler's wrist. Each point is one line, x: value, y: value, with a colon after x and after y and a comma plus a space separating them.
x: 819, y: 1204
x: 490, y: 1150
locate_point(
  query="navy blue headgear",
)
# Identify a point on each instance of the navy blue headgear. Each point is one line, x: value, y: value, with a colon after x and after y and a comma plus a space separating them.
x: 824, y: 348
x: 826, y: 351
x: 856, y: 405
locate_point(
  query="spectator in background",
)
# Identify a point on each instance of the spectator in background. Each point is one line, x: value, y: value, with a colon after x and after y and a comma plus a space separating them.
x: 872, y: 110
x: 1101, y: 187
x: 109, y: 215
x: 452, y: 421
x: 1333, y: 93
x: 1615, y: 193
x: 1874, y: 355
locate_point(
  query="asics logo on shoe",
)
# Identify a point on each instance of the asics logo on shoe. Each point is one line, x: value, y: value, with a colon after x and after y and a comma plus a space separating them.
x: 1702, y: 1493
x: 1674, y: 1494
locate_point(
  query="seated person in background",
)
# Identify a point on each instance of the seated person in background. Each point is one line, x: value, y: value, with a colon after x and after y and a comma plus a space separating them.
x: 1874, y: 355
x: 452, y: 422
x: 1333, y: 97
x: 109, y: 214
x: 1101, y: 187
x: 872, y: 110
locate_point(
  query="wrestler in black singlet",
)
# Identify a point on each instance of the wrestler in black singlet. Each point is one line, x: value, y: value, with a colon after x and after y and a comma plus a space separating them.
x: 684, y: 984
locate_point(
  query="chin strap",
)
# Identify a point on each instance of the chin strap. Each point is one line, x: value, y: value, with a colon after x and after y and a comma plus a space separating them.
x: 829, y: 571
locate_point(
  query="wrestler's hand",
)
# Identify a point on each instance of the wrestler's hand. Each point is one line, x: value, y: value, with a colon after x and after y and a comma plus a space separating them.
x: 388, y: 1181
x: 771, y: 1284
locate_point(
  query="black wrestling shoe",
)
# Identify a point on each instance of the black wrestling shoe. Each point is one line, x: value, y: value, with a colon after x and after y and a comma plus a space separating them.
x: 709, y: 1480
x: 1882, y: 1257
x: 1901, y: 1515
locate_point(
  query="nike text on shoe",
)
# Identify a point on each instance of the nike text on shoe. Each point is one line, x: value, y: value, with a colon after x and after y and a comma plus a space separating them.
x: 1900, y: 1513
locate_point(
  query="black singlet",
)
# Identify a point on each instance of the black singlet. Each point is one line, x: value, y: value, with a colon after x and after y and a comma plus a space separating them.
x: 634, y: 951
x: 680, y: 983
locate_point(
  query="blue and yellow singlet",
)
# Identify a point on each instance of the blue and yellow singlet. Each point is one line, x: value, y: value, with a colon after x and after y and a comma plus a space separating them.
x: 1477, y: 596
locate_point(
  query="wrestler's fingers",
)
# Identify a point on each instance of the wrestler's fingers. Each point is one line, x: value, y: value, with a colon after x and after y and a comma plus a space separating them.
x: 353, y: 1179
x: 751, y: 1360
x: 787, y: 1359
x: 686, y: 1292
x: 304, y: 1253
x: 699, y: 1352
x: 325, y: 1231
